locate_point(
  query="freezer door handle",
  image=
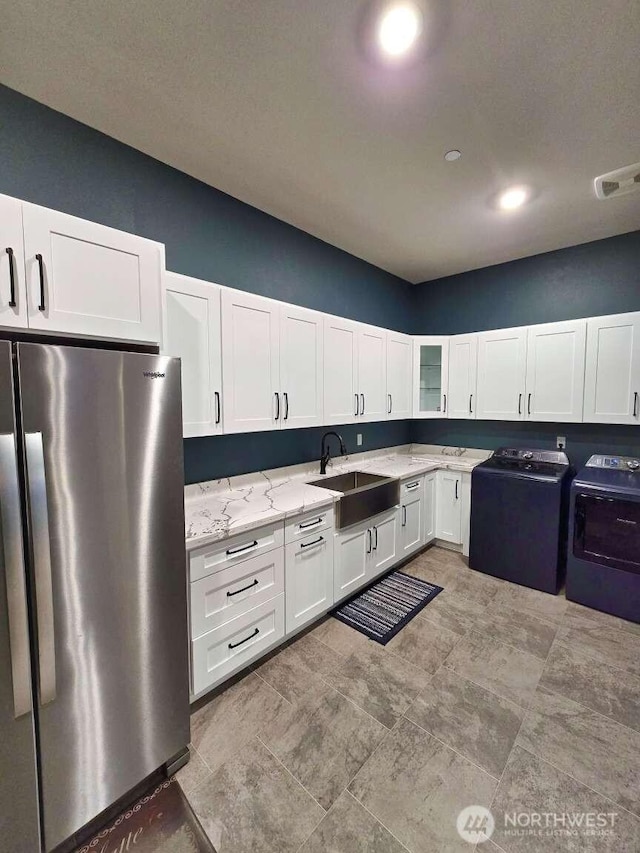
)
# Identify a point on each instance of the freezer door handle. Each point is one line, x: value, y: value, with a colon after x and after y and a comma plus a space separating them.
x: 11, y: 542
x: 42, y: 566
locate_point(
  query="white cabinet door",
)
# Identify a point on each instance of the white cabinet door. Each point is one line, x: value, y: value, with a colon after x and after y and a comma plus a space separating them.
x: 502, y: 363
x: 341, y: 403
x: 463, y: 364
x: 192, y: 333
x: 555, y: 371
x: 449, y: 506
x: 309, y: 579
x: 430, y: 376
x: 301, y: 367
x: 430, y: 507
x: 351, y: 549
x: 251, y: 399
x: 399, y: 371
x: 411, y: 521
x: 13, y: 293
x: 87, y: 279
x: 385, y: 545
x: 372, y: 373
x: 612, y: 377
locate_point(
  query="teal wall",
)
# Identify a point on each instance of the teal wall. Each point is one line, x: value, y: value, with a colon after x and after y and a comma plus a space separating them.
x: 596, y: 278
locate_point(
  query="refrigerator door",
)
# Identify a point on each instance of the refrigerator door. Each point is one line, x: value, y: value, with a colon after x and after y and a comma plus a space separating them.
x: 19, y: 826
x: 103, y: 447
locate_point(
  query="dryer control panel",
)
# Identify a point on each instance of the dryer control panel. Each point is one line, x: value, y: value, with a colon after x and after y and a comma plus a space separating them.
x: 616, y: 463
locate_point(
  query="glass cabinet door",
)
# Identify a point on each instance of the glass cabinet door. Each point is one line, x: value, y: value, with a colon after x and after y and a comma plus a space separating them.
x: 431, y: 355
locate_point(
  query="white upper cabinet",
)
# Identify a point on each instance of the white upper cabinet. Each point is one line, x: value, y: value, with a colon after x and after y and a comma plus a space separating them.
x: 372, y: 369
x: 87, y: 279
x: 612, y: 377
x: 251, y: 398
x: 430, y: 376
x: 555, y: 371
x: 502, y: 364
x: 341, y: 400
x: 301, y: 367
x: 463, y: 364
x: 192, y: 332
x: 13, y: 294
x: 399, y: 368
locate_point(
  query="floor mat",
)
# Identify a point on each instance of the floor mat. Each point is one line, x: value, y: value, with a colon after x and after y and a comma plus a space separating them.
x: 160, y: 822
x: 387, y: 606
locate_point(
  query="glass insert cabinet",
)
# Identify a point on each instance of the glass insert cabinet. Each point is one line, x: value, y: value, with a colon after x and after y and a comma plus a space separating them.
x: 430, y: 373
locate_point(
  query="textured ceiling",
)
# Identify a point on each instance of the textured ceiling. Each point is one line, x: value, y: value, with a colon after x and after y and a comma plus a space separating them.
x: 276, y: 103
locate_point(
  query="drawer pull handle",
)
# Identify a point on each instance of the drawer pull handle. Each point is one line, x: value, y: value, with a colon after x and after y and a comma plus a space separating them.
x: 314, y: 523
x: 246, y: 639
x: 315, y: 542
x: 411, y: 487
x: 233, y: 551
x: 244, y: 588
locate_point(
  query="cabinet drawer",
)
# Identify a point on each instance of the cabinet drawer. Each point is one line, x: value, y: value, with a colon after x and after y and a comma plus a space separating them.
x: 311, y: 522
x: 411, y: 486
x: 231, y: 551
x: 309, y: 577
x: 232, y: 591
x: 221, y: 652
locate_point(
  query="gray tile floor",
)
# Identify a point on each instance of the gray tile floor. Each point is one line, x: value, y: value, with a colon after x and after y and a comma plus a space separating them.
x: 494, y: 695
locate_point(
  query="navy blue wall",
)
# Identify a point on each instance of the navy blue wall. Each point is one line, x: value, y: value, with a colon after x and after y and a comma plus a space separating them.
x: 602, y: 277
x: 50, y: 159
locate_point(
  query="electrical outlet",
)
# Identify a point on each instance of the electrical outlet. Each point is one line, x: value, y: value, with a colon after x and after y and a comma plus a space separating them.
x: 359, y: 439
x: 561, y: 442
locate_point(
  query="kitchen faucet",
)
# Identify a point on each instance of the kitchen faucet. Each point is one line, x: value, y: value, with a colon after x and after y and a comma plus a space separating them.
x: 325, y: 456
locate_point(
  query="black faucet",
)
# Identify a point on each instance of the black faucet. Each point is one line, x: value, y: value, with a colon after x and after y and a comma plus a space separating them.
x: 325, y: 456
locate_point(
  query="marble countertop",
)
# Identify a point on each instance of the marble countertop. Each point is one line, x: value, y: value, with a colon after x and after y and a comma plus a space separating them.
x: 221, y: 508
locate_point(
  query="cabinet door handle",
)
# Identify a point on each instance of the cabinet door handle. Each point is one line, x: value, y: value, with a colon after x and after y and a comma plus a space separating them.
x: 519, y: 404
x: 370, y: 543
x: 470, y: 404
x: 357, y: 405
x: 12, y: 279
x: 529, y: 405
x: 456, y: 490
x: 375, y: 547
x: 40, y: 260
x: 315, y: 542
x: 635, y: 404
x: 233, y: 551
x: 404, y: 516
x: 246, y: 639
x: 216, y: 397
x: 390, y: 404
x: 444, y: 408
x: 362, y: 398
x: 277, y: 396
x: 286, y: 406
x: 244, y: 588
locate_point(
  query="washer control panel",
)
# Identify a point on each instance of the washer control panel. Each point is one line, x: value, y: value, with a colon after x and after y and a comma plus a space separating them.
x: 616, y: 463
x: 557, y: 457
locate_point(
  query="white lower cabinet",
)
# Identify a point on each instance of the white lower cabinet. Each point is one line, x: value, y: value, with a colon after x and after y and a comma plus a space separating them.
x: 309, y: 579
x: 449, y: 506
x: 221, y: 652
x: 412, y: 525
x: 430, y: 481
x: 364, y: 551
x: 384, y: 546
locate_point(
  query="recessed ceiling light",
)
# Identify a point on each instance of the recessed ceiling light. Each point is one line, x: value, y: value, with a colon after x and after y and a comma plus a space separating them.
x: 513, y: 198
x: 399, y: 28
x: 452, y: 155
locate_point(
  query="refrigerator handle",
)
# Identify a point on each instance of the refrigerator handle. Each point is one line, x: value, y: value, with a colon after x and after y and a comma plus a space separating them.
x: 11, y: 540
x: 42, y: 565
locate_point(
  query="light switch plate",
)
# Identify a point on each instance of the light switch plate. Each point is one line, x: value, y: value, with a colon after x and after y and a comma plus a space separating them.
x: 561, y: 442
x: 359, y: 439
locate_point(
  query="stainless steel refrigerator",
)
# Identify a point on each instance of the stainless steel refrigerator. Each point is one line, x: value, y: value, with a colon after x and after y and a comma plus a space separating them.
x: 94, y: 689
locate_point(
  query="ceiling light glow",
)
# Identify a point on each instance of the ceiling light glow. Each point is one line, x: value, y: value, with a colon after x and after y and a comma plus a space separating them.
x: 513, y: 198
x: 399, y: 28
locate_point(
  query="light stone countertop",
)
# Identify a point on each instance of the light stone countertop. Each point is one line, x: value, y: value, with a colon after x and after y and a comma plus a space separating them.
x: 218, y: 509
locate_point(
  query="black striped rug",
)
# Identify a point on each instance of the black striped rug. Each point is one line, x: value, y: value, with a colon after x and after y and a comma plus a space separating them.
x: 385, y: 607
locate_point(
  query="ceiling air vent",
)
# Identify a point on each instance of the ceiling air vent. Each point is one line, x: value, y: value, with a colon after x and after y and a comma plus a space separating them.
x: 620, y: 182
